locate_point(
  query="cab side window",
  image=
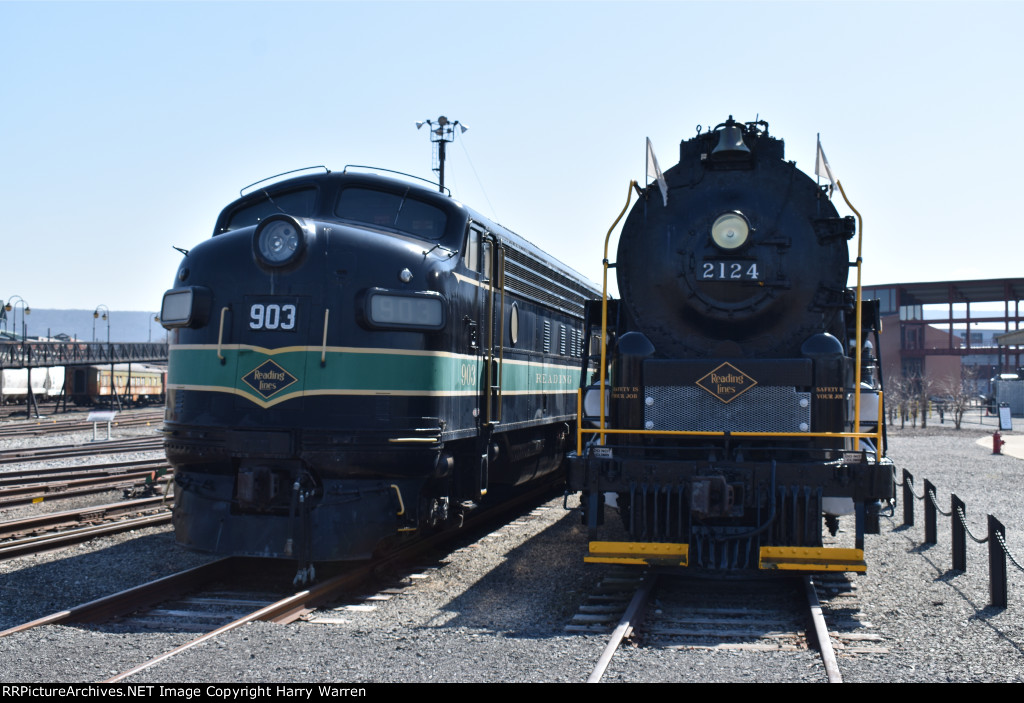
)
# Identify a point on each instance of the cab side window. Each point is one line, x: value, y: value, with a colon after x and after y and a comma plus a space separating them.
x: 478, y: 252
x: 472, y: 249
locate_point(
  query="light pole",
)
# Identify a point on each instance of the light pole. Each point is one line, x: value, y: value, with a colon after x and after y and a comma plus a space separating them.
x: 155, y: 318
x: 441, y: 132
x: 96, y: 316
x: 13, y: 304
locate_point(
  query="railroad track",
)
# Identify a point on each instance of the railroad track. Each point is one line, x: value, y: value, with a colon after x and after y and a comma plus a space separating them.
x: 21, y: 488
x: 50, y: 425
x: 68, y: 473
x: 52, y: 531
x: 778, y: 614
x: 70, y: 451
x: 220, y: 596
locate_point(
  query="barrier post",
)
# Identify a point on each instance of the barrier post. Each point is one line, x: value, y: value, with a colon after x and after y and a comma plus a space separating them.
x: 908, y: 498
x: 996, y: 563
x: 930, y: 527
x: 959, y: 533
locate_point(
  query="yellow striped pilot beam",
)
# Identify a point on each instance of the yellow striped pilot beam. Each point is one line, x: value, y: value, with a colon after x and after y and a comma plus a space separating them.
x: 659, y: 553
x: 812, y: 559
x: 809, y: 559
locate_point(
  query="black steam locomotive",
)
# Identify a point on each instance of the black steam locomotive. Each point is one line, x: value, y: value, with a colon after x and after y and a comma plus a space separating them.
x: 726, y: 426
x: 355, y: 359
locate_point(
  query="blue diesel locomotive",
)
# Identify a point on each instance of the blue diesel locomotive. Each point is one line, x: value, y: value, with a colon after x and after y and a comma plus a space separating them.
x: 354, y: 359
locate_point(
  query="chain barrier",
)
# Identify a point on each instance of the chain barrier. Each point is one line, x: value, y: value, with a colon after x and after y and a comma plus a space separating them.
x: 911, y: 487
x: 963, y: 521
x: 935, y: 504
x: 1006, y: 551
x: 998, y: 552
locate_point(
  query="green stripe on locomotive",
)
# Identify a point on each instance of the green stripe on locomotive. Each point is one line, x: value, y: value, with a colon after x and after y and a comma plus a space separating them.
x: 271, y: 376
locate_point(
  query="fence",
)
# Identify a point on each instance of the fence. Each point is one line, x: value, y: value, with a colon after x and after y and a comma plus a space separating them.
x: 998, y: 553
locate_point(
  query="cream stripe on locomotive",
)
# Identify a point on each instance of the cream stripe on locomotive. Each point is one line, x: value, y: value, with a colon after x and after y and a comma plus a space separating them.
x: 573, y: 368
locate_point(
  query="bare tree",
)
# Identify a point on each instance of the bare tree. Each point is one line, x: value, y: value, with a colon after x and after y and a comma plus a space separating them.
x: 897, y: 398
x: 923, y: 387
x: 958, y: 393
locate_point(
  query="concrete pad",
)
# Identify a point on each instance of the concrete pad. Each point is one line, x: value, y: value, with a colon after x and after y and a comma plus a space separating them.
x: 1014, y: 444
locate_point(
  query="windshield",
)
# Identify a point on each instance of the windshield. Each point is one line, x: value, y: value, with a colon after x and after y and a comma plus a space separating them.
x: 296, y: 202
x: 391, y: 210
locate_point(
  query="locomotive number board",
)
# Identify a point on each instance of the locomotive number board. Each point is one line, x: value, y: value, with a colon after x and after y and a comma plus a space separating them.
x: 732, y: 270
x: 272, y: 314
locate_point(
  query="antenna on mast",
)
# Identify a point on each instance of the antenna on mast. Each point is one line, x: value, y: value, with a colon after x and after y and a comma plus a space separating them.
x: 442, y: 131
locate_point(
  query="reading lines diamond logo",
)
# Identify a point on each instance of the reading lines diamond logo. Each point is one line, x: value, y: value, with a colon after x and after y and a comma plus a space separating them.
x: 727, y: 383
x: 268, y: 379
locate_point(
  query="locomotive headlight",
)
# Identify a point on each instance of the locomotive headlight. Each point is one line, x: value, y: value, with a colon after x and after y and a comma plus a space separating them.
x: 730, y: 231
x: 279, y: 240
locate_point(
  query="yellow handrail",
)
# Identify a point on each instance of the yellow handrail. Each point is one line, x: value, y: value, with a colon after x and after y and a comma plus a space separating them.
x: 580, y: 431
x: 604, y: 302
x: 860, y: 240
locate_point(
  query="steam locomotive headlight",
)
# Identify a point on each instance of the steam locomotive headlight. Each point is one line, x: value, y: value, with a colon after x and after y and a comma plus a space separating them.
x: 279, y: 240
x: 730, y: 231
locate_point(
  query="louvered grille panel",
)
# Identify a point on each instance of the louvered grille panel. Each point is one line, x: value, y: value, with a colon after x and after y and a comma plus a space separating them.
x: 531, y: 280
x: 761, y: 409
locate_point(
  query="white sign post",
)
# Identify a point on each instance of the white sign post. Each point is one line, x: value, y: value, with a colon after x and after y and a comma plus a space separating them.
x: 101, y: 416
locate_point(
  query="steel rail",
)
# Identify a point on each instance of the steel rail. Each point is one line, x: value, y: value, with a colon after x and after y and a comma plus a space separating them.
x: 828, y: 655
x: 42, y: 489
x: 631, y: 618
x: 44, y: 543
x: 16, y: 428
x: 18, y: 478
x: 295, y: 606
x: 115, y: 483
x: 25, y: 455
x: 18, y: 529
x: 134, y: 598
x: 284, y: 611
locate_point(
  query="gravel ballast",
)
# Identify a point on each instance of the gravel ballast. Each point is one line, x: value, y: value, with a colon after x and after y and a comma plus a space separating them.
x: 495, y: 610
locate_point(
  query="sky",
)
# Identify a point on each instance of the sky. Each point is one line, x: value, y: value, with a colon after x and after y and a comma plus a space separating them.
x: 126, y: 127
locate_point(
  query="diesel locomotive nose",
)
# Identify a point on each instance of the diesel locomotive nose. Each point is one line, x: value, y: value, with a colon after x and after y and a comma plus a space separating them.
x: 357, y: 359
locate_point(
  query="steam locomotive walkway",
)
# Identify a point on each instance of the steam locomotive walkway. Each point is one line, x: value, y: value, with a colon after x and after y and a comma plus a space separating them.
x: 30, y: 355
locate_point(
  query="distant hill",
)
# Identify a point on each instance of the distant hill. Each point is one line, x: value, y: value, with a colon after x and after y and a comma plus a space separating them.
x: 125, y: 326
